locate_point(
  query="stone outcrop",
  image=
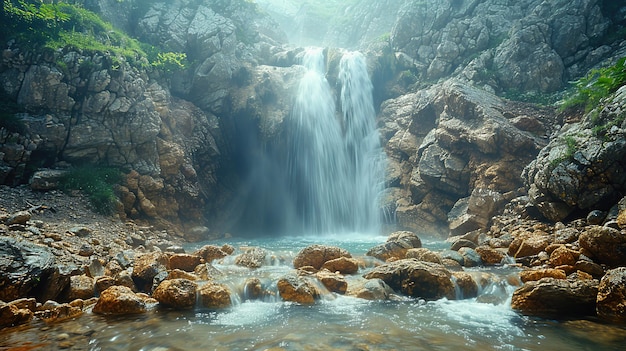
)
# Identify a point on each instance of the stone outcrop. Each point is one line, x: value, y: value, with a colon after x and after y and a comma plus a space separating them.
x: 455, y: 155
x: 582, y: 167
x: 24, y: 268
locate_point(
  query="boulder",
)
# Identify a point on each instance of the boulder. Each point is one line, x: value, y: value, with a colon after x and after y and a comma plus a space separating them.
x: 24, y: 268
x: 298, y: 289
x: 176, y: 293
x: 46, y: 179
x: 213, y: 295
x: 119, y: 300
x: 343, y: 265
x: 424, y: 254
x: 396, y: 246
x: 80, y: 287
x: 147, y: 266
x: 21, y: 217
x: 252, y: 258
x: 611, y: 301
x: 185, y: 262
x: 556, y: 298
x: 373, y: 289
x: 536, y: 274
x: 316, y: 255
x: 12, y: 315
x: 467, y: 285
x: 604, y: 245
x: 490, y: 256
x: 253, y: 289
x: 334, y: 282
x: 471, y: 258
x: 562, y: 256
x: 415, y: 278
x: 210, y: 253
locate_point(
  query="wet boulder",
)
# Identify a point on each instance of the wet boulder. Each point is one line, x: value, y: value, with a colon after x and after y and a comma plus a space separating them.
x: 80, y: 287
x: 176, y: 293
x: 490, y: 256
x: 211, y: 252
x: 12, y: 315
x: 213, y: 295
x: 316, y: 255
x: 466, y: 284
x: 252, y: 258
x: 147, y: 266
x: 471, y: 258
x: 536, y: 274
x: 185, y: 262
x: 333, y: 282
x: 424, y: 254
x: 373, y: 289
x: 298, y: 289
x: 556, y: 298
x: 119, y: 300
x: 604, y: 245
x: 611, y: 300
x: 415, y: 278
x: 24, y: 268
x: 343, y: 265
x: 396, y: 246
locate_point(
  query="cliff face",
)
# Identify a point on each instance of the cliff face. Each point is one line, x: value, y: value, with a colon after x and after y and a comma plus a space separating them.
x: 188, y: 142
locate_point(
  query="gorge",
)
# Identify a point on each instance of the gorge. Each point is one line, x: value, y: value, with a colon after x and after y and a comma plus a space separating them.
x: 457, y: 189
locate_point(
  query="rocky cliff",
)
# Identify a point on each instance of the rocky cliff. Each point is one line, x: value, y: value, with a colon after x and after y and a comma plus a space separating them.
x: 190, y: 143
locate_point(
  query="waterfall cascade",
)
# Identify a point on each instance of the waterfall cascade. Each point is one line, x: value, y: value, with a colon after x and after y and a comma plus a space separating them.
x: 335, y: 163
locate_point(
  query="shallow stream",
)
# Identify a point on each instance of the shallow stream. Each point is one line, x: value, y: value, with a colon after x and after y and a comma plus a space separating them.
x: 334, y: 323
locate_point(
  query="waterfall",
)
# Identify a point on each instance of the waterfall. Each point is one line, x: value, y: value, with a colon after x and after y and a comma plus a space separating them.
x: 335, y: 161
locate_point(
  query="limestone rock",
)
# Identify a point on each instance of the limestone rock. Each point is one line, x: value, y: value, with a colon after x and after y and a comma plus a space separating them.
x: 81, y: 287
x: 563, y: 256
x: 213, y: 295
x: 343, y: 265
x: 210, y: 253
x: 550, y: 297
x: 185, y: 262
x: 46, y: 179
x: 396, y: 246
x: 298, y: 289
x: 148, y: 265
x: 119, y: 300
x: 334, y: 282
x: 424, y: 254
x: 604, y: 245
x: 251, y: 258
x: 536, y: 274
x: 374, y: 289
x: 467, y: 285
x: 490, y: 256
x: 316, y: 255
x: 11, y: 315
x: 416, y: 278
x: 176, y: 293
x: 611, y: 302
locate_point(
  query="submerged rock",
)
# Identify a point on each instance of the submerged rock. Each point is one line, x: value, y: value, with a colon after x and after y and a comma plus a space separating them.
x: 332, y: 281
x: 211, y: 252
x: 316, y: 255
x: 119, y: 300
x: 556, y: 298
x: 415, y: 278
x: 373, y: 289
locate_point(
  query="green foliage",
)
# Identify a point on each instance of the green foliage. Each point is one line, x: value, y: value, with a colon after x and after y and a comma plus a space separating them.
x: 63, y: 25
x: 571, y: 148
x: 170, y: 62
x: 596, y: 85
x: 601, y: 127
x: 97, y: 183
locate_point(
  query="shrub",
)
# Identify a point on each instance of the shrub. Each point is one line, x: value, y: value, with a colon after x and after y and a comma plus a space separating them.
x: 97, y: 183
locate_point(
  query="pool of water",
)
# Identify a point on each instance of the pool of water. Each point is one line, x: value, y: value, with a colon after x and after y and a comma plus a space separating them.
x: 334, y: 323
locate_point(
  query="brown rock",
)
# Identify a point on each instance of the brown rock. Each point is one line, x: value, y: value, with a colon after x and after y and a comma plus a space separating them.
x: 536, y: 274
x: 211, y: 252
x: 176, y: 293
x: 467, y: 285
x: 590, y: 267
x: 556, y: 298
x: 58, y: 312
x: 611, y: 301
x: 119, y: 300
x: 490, y: 256
x: 213, y: 295
x: 532, y: 246
x: 424, y: 254
x: 563, y: 256
x: 21, y: 217
x: 103, y: 283
x: 317, y: 255
x: 147, y: 266
x: 416, y: 278
x: 343, y: 265
x: 11, y: 315
x: 180, y: 274
x: 81, y: 287
x: 604, y: 245
x: 253, y: 289
x: 332, y: 281
x: 396, y: 246
x: 252, y: 258
x: 185, y: 262
x: 373, y: 289
x: 297, y: 289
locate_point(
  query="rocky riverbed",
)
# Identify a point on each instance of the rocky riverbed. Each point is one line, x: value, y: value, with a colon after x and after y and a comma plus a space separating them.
x: 60, y: 260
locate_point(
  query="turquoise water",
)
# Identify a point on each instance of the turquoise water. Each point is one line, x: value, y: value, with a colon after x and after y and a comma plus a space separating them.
x: 334, y: 323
